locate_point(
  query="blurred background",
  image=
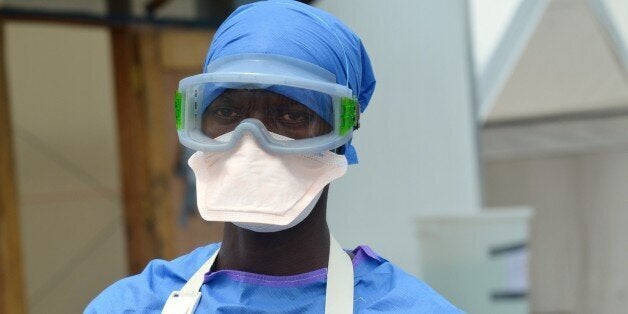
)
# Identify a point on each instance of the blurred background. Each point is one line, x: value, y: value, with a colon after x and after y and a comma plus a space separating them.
x: 493, y: 156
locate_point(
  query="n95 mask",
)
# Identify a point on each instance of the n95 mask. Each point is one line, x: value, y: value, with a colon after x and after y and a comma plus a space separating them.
x: 275, y: 228
x: 261, y: 191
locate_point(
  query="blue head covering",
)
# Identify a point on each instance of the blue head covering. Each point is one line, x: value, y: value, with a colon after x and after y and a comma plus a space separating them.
x: 297, y: 30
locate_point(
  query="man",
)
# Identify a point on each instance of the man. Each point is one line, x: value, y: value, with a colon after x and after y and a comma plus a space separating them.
x: 271, y: 119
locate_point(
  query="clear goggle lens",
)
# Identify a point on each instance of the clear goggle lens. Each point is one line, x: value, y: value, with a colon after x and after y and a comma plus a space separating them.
x: 278, y: 113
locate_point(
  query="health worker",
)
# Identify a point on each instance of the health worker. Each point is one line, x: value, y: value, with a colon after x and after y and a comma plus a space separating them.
x: 271, y: 118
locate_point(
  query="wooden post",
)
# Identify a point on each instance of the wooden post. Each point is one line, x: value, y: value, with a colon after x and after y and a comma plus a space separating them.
x: 12, y: 299
x: 145, y: 177
x: 158, y: 128
x: 142, y: 240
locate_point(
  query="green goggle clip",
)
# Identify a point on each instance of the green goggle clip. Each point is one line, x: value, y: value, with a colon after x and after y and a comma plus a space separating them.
x: 179, y: 109
x: 349, y: 115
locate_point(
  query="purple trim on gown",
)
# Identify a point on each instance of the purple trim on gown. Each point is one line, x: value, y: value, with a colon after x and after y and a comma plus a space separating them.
x: 360, y: 254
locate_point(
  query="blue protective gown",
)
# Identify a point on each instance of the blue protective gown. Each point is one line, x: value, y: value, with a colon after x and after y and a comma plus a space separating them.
x: 380, y: 287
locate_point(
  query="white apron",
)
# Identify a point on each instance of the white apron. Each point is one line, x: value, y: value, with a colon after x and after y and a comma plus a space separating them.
x: 338, y: 298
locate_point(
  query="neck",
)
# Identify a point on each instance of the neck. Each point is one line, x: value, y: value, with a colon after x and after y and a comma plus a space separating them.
x: 300, y: 249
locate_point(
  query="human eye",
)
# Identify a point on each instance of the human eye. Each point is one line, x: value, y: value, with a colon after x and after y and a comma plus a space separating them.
x: 294, y: 117
x: 226, y: 112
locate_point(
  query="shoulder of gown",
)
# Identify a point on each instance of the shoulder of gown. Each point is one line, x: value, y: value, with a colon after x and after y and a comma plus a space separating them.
x: 382, y: 287
x: 149, y: 290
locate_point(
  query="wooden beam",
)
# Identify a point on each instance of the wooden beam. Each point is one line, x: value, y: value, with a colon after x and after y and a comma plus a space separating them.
x: 90, y: 19
x: 158, y: 129
x: 145, y: 185
x: 132, y: 140
x: 12, y: 296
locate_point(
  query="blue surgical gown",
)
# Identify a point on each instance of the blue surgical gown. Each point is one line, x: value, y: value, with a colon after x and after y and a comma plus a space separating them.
x: 380, y: 287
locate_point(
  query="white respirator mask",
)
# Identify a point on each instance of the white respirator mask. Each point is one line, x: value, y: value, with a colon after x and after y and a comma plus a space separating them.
x: 260, y: 191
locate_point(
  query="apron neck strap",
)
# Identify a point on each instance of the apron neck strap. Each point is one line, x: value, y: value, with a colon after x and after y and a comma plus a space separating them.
x: 338, y: 295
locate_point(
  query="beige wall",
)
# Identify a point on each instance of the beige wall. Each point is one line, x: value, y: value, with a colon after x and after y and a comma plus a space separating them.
x: 579, y: 252
x: 62, y: 100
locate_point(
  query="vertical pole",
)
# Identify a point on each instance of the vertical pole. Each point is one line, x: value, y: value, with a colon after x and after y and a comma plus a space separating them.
x: 12, y: 295
x: 141, y: 241
x: 158, y: 132
x: 130, y: 117
x: 145, y: 186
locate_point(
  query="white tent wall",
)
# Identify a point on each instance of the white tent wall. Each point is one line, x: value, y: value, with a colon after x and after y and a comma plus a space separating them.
x: 578, y: 249
x: 417, y: 144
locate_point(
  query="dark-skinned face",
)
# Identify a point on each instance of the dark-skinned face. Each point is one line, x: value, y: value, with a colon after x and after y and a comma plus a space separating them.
x: 278, y: 113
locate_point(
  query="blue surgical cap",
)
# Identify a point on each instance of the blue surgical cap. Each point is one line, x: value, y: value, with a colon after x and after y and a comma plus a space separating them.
x: 294, y: 29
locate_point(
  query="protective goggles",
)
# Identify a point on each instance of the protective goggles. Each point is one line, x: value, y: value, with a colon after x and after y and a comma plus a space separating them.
x: 290, y: 106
